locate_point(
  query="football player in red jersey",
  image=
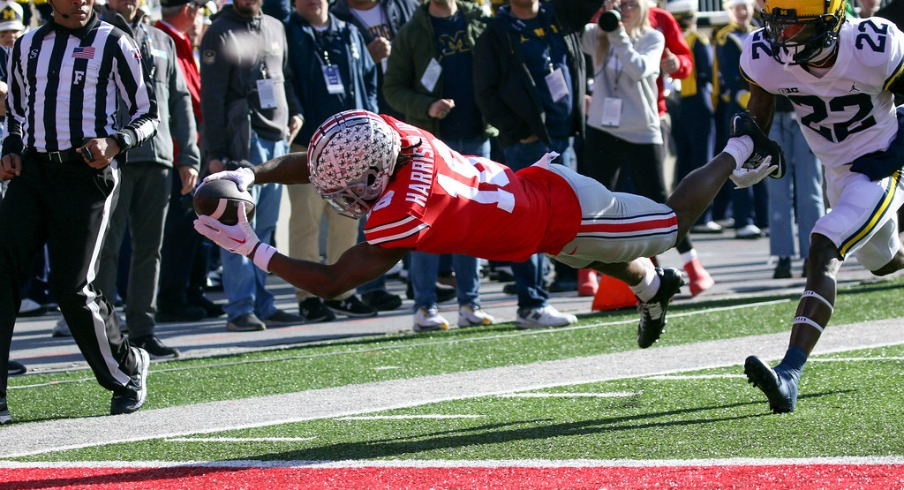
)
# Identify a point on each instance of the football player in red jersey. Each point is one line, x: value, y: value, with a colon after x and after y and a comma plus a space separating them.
x: 418, y: 194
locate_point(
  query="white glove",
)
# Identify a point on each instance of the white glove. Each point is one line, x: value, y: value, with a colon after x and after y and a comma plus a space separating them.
x: 242, y: 177
x: 746, y: 177
x: 239, y: 238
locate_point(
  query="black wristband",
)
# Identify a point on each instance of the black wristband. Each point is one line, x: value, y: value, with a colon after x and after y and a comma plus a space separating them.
x: 254, y: 250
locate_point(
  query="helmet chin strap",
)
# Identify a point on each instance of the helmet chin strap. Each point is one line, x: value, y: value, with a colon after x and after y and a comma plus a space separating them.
x: 825, y: 53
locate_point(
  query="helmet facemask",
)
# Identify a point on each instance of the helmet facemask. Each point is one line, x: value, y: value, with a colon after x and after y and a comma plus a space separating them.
x: 801, y: 39
x: 351, y: 159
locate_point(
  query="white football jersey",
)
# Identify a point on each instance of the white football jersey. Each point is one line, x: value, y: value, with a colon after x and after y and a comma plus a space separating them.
x: 849, y: 111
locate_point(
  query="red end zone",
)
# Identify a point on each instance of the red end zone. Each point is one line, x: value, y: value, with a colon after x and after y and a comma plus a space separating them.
x: 824, y: 476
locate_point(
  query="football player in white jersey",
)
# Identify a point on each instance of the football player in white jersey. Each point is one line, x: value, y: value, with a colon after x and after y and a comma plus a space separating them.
x: 841, y: 76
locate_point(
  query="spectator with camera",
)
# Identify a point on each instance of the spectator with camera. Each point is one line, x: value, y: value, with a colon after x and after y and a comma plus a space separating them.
x: 624, y: 137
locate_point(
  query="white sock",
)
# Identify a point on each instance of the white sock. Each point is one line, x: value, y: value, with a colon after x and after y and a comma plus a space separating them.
x: 648, y: 286
x: 740, y: 148
x: 689, y: 256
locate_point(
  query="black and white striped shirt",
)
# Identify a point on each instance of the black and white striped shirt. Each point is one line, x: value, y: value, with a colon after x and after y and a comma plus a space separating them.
x: 64, y: 86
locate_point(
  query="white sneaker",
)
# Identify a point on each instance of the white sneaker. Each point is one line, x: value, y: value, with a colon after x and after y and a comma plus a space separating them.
x: 428, y: 319
x: 61, y: 329
x: 543, y: 317
x: 749, y: 232
x: 471, y: 315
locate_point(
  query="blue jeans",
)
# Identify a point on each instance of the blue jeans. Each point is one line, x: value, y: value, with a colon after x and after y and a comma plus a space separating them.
x: 529, y: 274
x: 804, y: 179
x: 244, y: 284
x: 423, y: 268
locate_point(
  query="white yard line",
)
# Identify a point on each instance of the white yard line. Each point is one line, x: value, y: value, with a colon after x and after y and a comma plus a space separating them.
x: 616, y: 394
x: 206, y: 418
x: 240, y: 439
x: 436, y: 416
x: 492, y: 463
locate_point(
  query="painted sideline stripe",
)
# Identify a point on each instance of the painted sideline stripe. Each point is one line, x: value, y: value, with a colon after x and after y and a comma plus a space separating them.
x: 615, y: 394
x: 496, y: 463
x: 239, y: 439
x: 696, y: 376
x: 437, y: 416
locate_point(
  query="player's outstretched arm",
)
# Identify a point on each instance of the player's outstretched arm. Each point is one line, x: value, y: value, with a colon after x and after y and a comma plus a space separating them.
x: 287, y: 169
x: 358, y: 265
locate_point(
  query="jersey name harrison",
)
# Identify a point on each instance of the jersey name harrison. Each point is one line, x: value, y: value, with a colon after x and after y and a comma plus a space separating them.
x: 421, y: 177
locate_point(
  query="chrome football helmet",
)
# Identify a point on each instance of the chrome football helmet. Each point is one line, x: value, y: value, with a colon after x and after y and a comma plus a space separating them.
x: 351, y: 158
x: 801, y: 31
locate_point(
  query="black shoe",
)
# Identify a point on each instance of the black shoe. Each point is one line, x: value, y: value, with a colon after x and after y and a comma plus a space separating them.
x: 351, y: 306
x: 16, y: 368
x: 213, y: 310
x: 154, y: 347
x: 782, y: 269
x: 282, y: 318
x: 314, y: 311
x: 381, y: 300
x: 4, y: 412
x: 246, y: 322
x: 184, y: 313
x: 132, y: 396
x: 510, y: 288
x: 779, y: 388
x: 652, y: 313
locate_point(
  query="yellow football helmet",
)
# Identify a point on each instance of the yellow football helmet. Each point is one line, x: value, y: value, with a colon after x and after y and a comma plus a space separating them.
x: 799, y: 30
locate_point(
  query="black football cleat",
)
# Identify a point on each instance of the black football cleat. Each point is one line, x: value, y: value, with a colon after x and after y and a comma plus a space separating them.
x: 652, y: 313
x: 780, y: 390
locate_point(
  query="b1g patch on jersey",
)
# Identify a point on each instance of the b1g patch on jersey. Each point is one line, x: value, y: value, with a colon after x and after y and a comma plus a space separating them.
x: 208, y: 57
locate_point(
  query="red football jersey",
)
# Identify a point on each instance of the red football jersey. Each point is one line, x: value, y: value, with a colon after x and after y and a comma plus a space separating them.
x: 444, y: 202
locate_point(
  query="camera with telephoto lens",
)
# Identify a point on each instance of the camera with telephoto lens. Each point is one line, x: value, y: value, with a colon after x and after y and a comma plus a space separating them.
x: 609, y: 19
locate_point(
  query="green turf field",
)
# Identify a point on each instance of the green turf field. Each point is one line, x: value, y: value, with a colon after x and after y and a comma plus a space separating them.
x: 850, y: 403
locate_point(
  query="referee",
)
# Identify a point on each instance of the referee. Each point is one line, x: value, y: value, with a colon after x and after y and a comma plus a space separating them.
x: 66, y: 79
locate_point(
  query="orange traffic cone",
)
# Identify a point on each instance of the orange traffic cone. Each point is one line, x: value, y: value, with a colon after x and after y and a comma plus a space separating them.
x: 613, y: 295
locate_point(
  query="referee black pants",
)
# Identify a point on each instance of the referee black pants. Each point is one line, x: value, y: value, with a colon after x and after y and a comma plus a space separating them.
x: 67, y: 206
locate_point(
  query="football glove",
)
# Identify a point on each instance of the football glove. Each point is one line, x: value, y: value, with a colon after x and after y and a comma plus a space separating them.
x: 746, y: 177
x: 239, y: 238
x: 242, y: 176
x: 881, y: 164
x: 742, y: 124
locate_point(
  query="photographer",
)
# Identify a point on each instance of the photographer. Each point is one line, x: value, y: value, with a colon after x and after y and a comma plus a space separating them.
x: 623, y: 124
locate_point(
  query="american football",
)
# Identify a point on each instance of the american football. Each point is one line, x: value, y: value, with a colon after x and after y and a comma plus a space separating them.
x: 219, y: 199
